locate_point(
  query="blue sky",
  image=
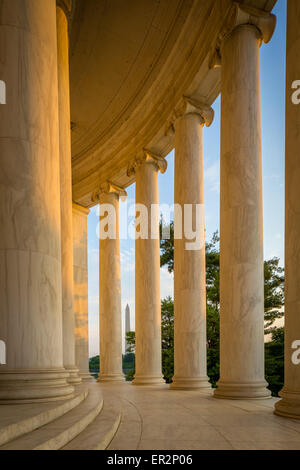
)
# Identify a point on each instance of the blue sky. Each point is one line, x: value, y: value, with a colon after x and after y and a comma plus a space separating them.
x: 273, y: 115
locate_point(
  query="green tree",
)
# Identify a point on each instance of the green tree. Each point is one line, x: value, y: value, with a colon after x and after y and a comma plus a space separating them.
x: 167, y: 246
x: 94, y: 364
x: 274, y: 361
x: 212, y: 255
x: 130, y: 340
x: 273, y: 290
x: 129, y: 365
x: 167, y: 338
x: 213, y: 344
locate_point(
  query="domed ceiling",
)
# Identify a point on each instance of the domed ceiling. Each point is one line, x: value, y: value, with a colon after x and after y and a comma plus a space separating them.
x: 131, y: 61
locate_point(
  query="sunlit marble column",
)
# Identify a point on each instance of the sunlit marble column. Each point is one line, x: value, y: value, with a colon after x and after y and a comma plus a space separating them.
x: 147, y: 273
x: 110, y: 315
x: 81, y: 290
x: 290, y: 404
x: 189, y: 255
x: 30, y: 254
x: 66, y: 195
x: 241, y: 224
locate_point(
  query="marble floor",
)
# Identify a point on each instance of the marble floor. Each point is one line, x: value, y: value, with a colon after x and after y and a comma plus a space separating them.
x: 122, y: 416
x: 169, y: 419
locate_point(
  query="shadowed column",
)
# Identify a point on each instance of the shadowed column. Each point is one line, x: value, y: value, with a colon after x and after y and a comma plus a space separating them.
x: 290, y: 404
x: 81, y: 291
x: 30, y: 241
x: 66, y: 196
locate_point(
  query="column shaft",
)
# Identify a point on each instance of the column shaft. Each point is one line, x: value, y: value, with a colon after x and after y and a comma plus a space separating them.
x: 241, y: 232
x: 110, y: 300
x: 30, y: 254
x: 290, y: 404
x: 189, y: 265
x: 81, y: 291
x: 66, y: 196
x: 147, y: 286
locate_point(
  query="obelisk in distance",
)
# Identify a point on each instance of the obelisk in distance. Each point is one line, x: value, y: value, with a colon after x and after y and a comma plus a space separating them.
x: 127, y: 325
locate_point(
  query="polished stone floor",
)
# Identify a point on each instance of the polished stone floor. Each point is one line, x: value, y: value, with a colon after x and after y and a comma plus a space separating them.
x: 169, y: 419
x: 122, y: 416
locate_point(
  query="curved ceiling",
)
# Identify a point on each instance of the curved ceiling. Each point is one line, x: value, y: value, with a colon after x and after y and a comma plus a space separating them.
x: 130, y: 63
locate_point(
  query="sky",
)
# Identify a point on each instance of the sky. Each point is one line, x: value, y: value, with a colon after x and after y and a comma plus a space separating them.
x: 272, y: 58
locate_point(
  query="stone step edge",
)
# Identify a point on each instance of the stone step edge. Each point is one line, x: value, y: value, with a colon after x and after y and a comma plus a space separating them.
x: 104, y: 429
x: 113, y: 445
x: 103, y: 445
x: 20, y: 428
x: 73, y: 431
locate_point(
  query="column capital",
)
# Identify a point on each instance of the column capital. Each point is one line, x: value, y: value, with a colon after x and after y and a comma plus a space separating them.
x: 109, y: 188
x: 190, y: 105
x: 242, y: 15
x: 66, y: 5
x: 148, y: 157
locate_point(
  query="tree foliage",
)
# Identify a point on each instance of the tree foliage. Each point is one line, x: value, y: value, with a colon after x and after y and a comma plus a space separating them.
x: 274, y: 361
x: 130, y: 340
x: 167, y: 246
x: 167, y: 337
x: 273, y: 289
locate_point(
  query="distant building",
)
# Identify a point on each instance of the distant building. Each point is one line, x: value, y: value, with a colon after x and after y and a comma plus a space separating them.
x: 2, y: 92
x: 127, y: 325
x: 2, y: 353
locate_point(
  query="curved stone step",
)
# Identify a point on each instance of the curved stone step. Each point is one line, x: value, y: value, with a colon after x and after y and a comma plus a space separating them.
x: 59, y: 432
x: 130, y: 430
x: 27, y: 418
x: 99, y: 434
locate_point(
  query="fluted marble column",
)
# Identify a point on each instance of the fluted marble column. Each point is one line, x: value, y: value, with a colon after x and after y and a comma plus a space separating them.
x: 289, y: 405
x: 81, y: 307
x: 241, y: 225
x: 189, y: 264
x: 66, y: 196
x: 147, y: 277
x: 110, y: 316
x: 30, y: 255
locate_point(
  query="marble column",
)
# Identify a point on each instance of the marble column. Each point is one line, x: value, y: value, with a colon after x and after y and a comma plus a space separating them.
x: 289, y: 405
x: 66, y: 195
x: 30, y: 241
x: 189, y: 264
x: 81, y: 290
x: 147, y: 276
x: 110, y: 316
x: 241, y: 224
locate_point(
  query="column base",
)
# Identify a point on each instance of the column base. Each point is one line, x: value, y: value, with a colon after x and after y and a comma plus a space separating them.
x: 242, y: 391
x: 111, y: 378
x: 86, y: 376
x: 34, y: 386
x: 148, y: 380
x: 73, y: 378
x: 289, y: 405
x: 190, y: 383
